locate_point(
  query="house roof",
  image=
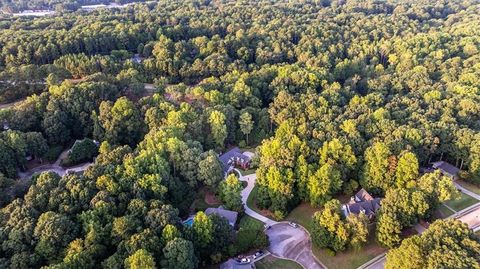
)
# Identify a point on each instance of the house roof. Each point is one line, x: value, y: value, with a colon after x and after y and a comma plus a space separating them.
x: 369, y: 207
x: 446, y: 168
x: 362, y: 196
x: 231, y: 216
x: 231, y: 154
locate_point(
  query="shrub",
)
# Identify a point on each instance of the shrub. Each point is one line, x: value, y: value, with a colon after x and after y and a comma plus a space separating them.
x: 81, y: 151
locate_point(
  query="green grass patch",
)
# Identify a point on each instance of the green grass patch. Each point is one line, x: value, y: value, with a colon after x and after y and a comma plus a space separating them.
x: 469, y: 186
x: 247, y: 222
x: 248, y: 171
x: 444, y: 211
x: 350, y: 259
x: 271, y: 262
x: 302, y: 215
x: 462, y: 203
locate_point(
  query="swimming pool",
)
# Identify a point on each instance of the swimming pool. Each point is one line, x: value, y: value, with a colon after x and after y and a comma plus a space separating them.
x: 188, y: 222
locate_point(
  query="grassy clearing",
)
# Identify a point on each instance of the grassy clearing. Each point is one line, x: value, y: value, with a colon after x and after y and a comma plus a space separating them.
x: 469, y: 186
x: 271, y: 262
x: 247, y: 222
x: 302, y: 215
x: 350, y: 259
x: 462, y: 203
x: 444, y: 211
x: 248, y: 171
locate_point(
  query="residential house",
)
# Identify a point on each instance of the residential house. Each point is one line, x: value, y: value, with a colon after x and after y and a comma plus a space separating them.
x: 362, y: 202
x: 231, y: 216
x: 235, y: 158
x: 447, y: 169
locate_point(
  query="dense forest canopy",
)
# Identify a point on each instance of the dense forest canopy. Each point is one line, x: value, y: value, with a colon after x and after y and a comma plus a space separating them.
x: 337, y: 94
x: 60, y: 5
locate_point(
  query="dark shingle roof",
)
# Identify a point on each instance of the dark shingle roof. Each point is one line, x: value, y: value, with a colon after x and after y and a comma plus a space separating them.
x: 232, y: 154
x: 446, y: 168
x: 231, y: 216
x: 362, y: 196
x: 369, y: 207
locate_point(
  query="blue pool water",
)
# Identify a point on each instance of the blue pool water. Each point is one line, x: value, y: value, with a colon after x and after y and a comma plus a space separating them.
x: 188, y: 222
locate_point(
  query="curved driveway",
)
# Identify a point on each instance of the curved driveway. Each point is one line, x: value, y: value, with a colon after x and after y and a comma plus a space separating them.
x: 285, y: 241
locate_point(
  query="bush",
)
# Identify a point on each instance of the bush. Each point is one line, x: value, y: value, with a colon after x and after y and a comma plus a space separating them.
x: 52, y: 153
x: 330, y: 252
x: 81, y: 151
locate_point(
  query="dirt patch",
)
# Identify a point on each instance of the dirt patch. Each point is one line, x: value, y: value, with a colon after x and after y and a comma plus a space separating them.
x: 211, y: 199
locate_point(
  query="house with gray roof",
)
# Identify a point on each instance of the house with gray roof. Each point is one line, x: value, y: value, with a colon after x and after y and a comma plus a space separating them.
x: 362, y: 201
x: 447, y: 169
x: 234, y: 157
x: 231, y: 216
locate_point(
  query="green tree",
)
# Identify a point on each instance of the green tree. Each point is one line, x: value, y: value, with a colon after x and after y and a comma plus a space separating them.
x: 445, y: 244
x: 375, y: 174
x: 210, y: 171
x: 218, y: 127
x: 141, y: 259
x: 230, y: 193
x: 407, y: 170
x: 179, y: 254
x: 246, y: 124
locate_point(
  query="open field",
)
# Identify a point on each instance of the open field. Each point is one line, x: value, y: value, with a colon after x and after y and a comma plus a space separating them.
x: 462, y: 203
x: 302, y: 215
x: 271, y: 262
x: 350, y: 259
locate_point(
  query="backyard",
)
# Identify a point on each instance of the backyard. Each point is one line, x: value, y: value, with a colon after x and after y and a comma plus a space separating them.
x: 462, y: 203
x: 469, y: 186
x: 271, y: 262
x: 204, y: 200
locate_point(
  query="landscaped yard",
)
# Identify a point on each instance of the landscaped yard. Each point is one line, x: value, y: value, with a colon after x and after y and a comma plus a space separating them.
x: 302, y: 215
x: 462, y: 203
x: 469, y: 186
x: 204, y: 200
x: 247, y: 222
x: 271, y: 262
x: 252, y: 203
x: 444, y: 212
x: 350, y: 259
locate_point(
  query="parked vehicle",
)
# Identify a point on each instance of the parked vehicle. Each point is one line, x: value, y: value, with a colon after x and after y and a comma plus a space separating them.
x: 293, y: 224
x: 243, y: 260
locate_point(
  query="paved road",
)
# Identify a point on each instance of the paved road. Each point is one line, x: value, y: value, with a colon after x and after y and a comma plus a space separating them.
x: 55, y: 167
x: 285, y: 241
x: 462, y: 189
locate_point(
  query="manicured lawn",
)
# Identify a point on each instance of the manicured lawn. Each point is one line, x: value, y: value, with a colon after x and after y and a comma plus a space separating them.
x: 462, y: 203
x: 444, y: 211
x: 350, y: 259
x: 248, y: 171
x: 247, y: 222
x: 271, y: 262
x: 302, y: 215
x: 469, y: 186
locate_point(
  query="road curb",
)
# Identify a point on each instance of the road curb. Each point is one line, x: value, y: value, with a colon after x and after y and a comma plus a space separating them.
x: 372, y: 261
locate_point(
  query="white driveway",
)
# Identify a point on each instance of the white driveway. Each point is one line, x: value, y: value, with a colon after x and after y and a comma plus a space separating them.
x: 285, y: 241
